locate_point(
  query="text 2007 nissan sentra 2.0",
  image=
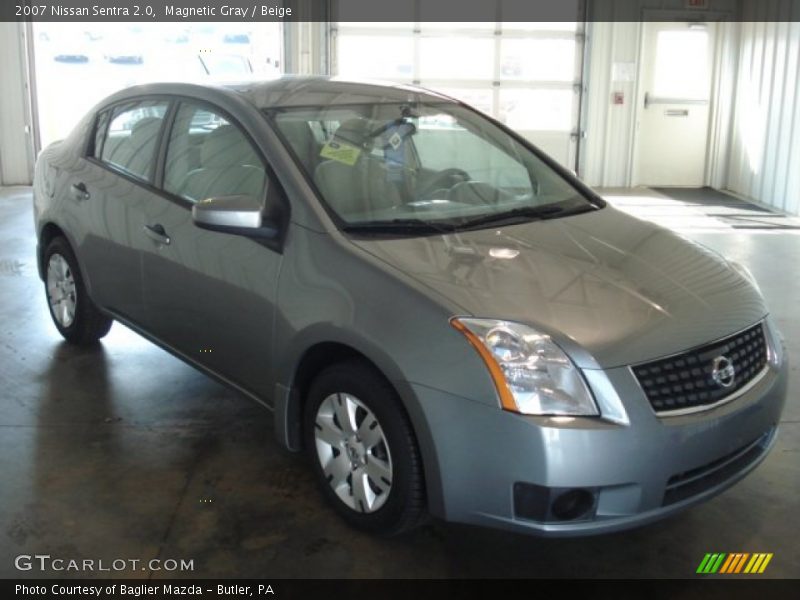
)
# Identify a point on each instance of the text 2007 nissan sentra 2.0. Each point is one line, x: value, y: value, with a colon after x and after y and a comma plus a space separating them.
x: 442, y: 317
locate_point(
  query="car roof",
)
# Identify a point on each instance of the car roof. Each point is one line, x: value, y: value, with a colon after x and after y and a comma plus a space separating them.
x: 314, y: 91
x: 295, y: 91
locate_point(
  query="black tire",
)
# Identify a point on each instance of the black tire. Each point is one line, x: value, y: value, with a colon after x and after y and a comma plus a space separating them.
x: 89, y: 323
x: 404, y: 507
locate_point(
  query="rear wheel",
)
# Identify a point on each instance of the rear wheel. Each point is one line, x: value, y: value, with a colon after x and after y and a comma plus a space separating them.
x: 76, y: 317
x: 363, y: 449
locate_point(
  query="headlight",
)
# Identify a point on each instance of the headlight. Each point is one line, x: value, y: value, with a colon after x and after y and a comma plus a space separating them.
x: 745, y: 272
x: 533, y: 376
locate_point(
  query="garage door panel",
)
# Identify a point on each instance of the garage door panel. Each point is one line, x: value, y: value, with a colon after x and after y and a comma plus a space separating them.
x: 527, y: 75
x: 555, y: 144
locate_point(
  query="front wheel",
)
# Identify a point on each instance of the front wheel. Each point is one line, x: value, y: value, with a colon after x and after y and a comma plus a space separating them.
x: 363, y: 449
x: 76, y: 317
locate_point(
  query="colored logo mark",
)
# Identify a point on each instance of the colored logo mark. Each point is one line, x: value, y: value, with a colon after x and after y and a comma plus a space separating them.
x: 734, y: 563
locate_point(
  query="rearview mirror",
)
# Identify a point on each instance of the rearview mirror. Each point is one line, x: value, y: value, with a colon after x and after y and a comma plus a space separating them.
x: 240, y: 215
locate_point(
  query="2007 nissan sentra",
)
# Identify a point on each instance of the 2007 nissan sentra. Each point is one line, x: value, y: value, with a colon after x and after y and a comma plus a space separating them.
x: 446, y: 320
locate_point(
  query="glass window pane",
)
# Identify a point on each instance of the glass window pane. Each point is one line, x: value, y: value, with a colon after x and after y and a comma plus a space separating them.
x: 456, y: 58
x: 108, y: 56
x: 442, y: 143
x: 480, y: 98
x: 227, y: 65
x: 209, y: 157
x: 133, y: 137
x: 438, y: 162
x: 537, y: 110
x: 538, y: 59
x: 461, y: 60
x: 376, y: 57
x: 681, y: 69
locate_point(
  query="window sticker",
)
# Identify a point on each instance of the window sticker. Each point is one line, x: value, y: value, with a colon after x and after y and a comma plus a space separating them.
x: 395, y: 141
x: 343, y: 153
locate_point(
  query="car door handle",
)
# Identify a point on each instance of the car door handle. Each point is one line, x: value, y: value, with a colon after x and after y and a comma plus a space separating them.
x: 157, y: 234
x: 79, y: 191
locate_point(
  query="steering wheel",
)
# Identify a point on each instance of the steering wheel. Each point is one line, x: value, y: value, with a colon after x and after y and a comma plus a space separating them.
x: 444, y: 179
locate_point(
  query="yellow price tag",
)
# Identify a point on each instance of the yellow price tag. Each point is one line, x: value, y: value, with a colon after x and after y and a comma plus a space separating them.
x: 343, y: 153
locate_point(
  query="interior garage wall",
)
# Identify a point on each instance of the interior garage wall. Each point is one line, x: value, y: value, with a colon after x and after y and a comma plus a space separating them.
x: 16, y: 154
x: 608, y: 146
x: 764, y: 159
x: 306, y: 48
x: 613, y: 52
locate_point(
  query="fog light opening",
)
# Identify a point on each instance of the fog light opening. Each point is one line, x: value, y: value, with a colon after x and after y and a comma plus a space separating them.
x: 572, y: 505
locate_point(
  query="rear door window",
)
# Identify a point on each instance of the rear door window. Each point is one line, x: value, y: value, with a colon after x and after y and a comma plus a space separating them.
x: 131, y: 141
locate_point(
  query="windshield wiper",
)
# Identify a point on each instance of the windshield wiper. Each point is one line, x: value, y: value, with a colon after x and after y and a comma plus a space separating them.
x: 523, y: 213
x: 411, y: 225
x: 399, y: 225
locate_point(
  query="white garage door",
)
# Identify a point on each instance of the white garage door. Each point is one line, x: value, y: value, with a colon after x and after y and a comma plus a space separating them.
x: 527, y: 75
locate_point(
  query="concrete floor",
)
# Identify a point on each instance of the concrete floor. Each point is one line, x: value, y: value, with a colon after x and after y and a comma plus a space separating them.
x: 124, y: 452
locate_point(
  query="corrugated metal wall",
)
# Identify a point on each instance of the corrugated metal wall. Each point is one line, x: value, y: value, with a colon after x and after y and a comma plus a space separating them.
x: 15, y: 143
x: 764, y: 159
x: 610, y: 127
x: 724, y: 95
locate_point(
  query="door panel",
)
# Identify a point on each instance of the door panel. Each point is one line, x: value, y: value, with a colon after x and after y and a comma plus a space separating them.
x: 111, y: 249
x: 114, y: 188
x: 210, y: 295
x: 674, y: 104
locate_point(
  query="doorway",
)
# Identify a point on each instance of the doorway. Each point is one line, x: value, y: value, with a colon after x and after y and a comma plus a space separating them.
x: 674, y: 104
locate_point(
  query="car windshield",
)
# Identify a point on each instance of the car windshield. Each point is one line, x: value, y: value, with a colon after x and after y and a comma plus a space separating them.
x: 419, y: 166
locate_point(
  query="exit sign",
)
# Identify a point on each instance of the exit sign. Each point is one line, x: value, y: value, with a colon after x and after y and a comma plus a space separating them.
x: 696, y: 4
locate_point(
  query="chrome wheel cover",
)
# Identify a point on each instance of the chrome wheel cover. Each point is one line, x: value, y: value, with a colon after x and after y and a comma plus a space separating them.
x: 353, y: 452
x: 61, y: 291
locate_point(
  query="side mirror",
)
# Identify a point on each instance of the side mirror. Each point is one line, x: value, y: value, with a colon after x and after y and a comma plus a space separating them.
x: 238, y: 215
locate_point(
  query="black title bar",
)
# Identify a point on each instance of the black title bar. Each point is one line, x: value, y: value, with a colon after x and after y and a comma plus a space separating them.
x: 151, y: 11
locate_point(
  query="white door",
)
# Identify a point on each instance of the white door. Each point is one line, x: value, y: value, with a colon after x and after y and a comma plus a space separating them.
x: 674, y: 98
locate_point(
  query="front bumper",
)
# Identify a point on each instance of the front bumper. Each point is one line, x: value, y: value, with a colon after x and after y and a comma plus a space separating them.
x: 636, y: 473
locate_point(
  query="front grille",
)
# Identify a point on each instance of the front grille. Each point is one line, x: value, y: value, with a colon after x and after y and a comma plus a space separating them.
x: 685, y: 381
x: 690, y: 483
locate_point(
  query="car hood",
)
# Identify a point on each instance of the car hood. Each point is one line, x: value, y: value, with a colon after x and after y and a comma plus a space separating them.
x: 611, y: 289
